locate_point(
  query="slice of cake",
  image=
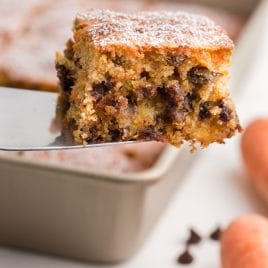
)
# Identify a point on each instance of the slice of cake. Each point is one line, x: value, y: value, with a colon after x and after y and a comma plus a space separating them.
x: 146, y: 76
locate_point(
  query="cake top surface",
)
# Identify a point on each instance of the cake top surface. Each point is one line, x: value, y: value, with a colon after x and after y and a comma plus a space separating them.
x: 152, y: 29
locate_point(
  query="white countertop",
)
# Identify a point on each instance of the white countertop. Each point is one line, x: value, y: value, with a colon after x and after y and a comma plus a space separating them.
x: 213, y: 192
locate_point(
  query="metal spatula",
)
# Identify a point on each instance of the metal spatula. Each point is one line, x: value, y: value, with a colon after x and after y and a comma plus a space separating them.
x: 27, y: 122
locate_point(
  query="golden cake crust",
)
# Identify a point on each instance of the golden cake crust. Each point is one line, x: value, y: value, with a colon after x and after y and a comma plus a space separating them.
x: 147, y: 30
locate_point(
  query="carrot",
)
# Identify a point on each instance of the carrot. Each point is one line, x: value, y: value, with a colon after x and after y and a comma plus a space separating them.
x: 244, y: 244
x: 254, y: 147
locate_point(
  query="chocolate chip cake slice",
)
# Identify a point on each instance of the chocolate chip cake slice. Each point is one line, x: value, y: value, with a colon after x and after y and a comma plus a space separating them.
x: 146, y: 76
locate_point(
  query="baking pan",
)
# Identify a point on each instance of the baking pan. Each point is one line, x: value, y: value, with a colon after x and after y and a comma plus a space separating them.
x: 93, y: 216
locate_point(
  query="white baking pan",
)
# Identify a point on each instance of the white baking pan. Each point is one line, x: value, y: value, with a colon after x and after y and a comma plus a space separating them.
x: 92, y: 216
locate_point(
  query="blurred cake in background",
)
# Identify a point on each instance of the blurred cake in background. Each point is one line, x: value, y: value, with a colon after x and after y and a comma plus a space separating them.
x: 32, y: 31
x: 119, y: 158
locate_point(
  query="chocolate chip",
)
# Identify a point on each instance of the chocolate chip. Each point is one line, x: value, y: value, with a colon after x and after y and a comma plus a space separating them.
x: 165, y: 117
x: 176, y: 74
x: 132, y: 100
x: 185, y: 257
x: 175, y: 59
x: 92, y: 134
x: 200, y: 75
x: 194, y: 238
x: 225, y: 114
x: 173, y: 95
x: 101, y: 89
x: 65, y: 77
x: 115, y: 134
x: 148, y: 134
x: 145, y: 74
x: 188, y: 101
x: 112, y: 102
x: 216, y: 234
x: 204, y: 112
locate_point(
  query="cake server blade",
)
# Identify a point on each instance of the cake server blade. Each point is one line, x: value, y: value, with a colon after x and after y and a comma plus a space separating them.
x: 28, y: 122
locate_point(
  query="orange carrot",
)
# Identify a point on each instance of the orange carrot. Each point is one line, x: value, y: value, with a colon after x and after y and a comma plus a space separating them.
x: 244, y: 244
x: 254, y: 147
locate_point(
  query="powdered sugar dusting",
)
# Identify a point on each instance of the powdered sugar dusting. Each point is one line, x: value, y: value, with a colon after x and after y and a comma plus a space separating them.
x: 153, y: 29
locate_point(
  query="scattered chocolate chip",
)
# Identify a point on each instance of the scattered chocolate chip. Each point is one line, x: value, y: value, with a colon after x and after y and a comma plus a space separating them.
x: 145, y: 74
x: 101, y: 89
x: 65, y: 77
x: 225, y: 114
x: 201, y: 75
x: 115, y: 134
x: 165, y: 117
x: 148, y: 134
x: 220, y: 103
x: 185, y: 257
x: 92, y: 135
x: 194, y: 238
x: 188, y: 101
x: 204, y: 112
x: 132, y: 100
x: 112, y: 102
x: 216, y: 234
x: 175, y: 59
x: 176, y: 74
x: 173, y: 95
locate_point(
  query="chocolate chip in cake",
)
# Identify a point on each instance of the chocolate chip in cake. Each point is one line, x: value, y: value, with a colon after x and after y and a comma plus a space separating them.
x: 115, y: 134
x: 185, y: 257
x: 148, y: 134
x: 112, y: 102
x: 216, y: 234
x: 204, y: 112
x: 65, y: 77
x: 176, y: 74
x: 201, y: 75
x: 145, y: 74
x: 101, y: 89
x: 194, y: 238
x: 188, y: 101
x: 173, y: 95
x: 132, y: 100
x: 92, y: 134
x: 225, y: 114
